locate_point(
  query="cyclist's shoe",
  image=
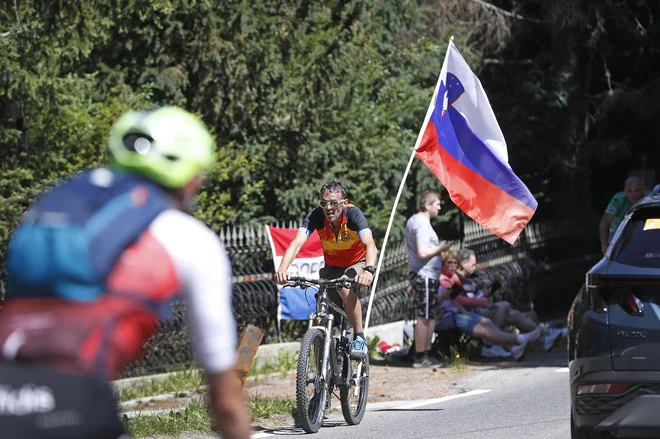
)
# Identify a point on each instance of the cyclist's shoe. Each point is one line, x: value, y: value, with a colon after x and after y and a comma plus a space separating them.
x: 359, y: 348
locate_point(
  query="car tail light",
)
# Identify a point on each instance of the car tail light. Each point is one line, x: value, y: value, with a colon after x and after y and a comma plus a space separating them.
x: 633, y: 305
x: 597, y: 302
x: 594, y: 284
x: 591, y: 389
x: 604, y: 291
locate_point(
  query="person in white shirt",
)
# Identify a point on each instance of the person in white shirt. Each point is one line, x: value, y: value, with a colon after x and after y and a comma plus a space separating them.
x: 424, y: 266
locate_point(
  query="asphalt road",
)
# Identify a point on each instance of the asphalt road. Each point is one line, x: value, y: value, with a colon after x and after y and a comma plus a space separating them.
x: 526, y: 400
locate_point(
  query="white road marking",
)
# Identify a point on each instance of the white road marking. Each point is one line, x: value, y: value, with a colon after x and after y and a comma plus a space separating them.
x: 563, y: 369
x: 443, y: 399
x: 411, y: 405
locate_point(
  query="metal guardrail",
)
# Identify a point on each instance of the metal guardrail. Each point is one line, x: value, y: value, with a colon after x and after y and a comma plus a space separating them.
x: 255, y: 293
x: 255, y: 300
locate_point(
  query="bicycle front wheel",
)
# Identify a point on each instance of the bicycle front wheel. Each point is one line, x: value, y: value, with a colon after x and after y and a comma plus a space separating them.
x: 311, y: 391
x: 354, y: 397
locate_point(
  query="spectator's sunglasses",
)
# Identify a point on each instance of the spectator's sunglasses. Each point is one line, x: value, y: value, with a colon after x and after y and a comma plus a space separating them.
x: 330, y: 203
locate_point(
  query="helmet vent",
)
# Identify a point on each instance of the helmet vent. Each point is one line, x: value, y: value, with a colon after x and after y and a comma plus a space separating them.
x: 171, y: 158
x: 138, y: 142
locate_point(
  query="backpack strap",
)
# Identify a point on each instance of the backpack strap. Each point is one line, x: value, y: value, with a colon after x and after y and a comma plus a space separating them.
x: 68, y: 249
x: 119, y: 223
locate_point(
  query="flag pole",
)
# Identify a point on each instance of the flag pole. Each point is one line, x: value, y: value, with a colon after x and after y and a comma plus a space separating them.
x: 420, y: 136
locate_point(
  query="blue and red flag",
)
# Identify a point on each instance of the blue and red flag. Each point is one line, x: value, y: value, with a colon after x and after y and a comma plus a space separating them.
x: 296, y: 303
x: 464, y: 146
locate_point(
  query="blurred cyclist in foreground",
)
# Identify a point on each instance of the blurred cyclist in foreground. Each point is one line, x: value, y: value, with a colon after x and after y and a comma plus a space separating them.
x: 94, y: 264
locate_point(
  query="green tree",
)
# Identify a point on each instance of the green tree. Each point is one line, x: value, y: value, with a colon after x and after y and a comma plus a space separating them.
x: 297, y: 92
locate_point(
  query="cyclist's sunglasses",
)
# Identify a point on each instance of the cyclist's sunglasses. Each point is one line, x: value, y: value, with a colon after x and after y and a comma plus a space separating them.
x: 330, y: 203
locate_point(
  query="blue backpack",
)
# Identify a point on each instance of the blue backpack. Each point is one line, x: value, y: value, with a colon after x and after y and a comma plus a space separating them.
x: 70, y: 240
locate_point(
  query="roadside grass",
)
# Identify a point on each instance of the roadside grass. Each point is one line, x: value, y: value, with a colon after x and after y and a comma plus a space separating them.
x: 197, y: 417
x: 192, y: 378
x: 455, y: 361
x: 194, y: 417
x: 283, y: 363
x: 263, y: 407
x: 185, y: 379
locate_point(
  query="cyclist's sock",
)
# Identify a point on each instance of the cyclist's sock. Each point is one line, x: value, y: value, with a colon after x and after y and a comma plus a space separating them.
x: 361, y: 335
x: 420, y: 355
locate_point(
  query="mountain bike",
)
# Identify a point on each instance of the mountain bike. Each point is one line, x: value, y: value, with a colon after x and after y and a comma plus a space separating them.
x: 325, y: 364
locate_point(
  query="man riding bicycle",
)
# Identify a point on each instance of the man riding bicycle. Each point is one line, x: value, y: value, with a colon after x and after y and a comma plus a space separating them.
x: 348, y: 250
x: 95, y: 264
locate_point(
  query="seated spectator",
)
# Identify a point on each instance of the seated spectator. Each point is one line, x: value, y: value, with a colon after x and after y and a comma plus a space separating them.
x: 501, y: 313
x: 474, y: 300
x: 469, y: 322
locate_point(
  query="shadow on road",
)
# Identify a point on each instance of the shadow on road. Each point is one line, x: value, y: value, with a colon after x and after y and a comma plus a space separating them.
x: 297, y: 431
x: 287, y: 431
x: 558, y: 357
x: 533, y: 357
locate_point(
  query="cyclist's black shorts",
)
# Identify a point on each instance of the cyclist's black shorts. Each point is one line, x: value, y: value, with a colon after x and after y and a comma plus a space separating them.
x: 330, y: 273
x: 38, y: 402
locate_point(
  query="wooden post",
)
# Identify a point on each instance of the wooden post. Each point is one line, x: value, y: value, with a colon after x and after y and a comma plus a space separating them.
x: 248, y: 343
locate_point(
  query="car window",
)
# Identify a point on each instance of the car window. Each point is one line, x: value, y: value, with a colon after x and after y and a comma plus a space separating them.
x: 638, y: 243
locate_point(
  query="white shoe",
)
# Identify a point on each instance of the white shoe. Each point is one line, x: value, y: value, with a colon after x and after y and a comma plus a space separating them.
x: 503, y: 352
x: 533, y: 335
x: 518, y: 350
x: 550, y: 339
x: 494, y: 351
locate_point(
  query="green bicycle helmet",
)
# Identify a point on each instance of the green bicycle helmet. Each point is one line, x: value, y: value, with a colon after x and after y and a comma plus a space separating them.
x: 169, y: 145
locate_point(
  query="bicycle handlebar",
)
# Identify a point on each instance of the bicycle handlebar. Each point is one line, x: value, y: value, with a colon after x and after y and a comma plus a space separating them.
x: 336, y: 283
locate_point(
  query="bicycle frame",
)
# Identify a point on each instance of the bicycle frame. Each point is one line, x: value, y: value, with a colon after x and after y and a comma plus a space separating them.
x: 324, y: 308
x: 332, y: 364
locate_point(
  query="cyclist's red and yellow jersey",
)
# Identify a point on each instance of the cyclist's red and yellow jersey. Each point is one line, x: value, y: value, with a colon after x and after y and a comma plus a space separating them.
x: 345, y: 248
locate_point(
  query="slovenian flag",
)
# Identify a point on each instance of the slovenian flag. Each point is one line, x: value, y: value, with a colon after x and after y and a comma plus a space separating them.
x: 296, y: 303
x: 463, y: 145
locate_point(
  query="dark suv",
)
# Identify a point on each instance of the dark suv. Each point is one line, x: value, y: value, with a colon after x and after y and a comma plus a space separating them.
x: 614, y: 333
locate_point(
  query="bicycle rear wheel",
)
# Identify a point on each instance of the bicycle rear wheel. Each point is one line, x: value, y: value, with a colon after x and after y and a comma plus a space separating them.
x: 354, y: 397
x: 311, y: 391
